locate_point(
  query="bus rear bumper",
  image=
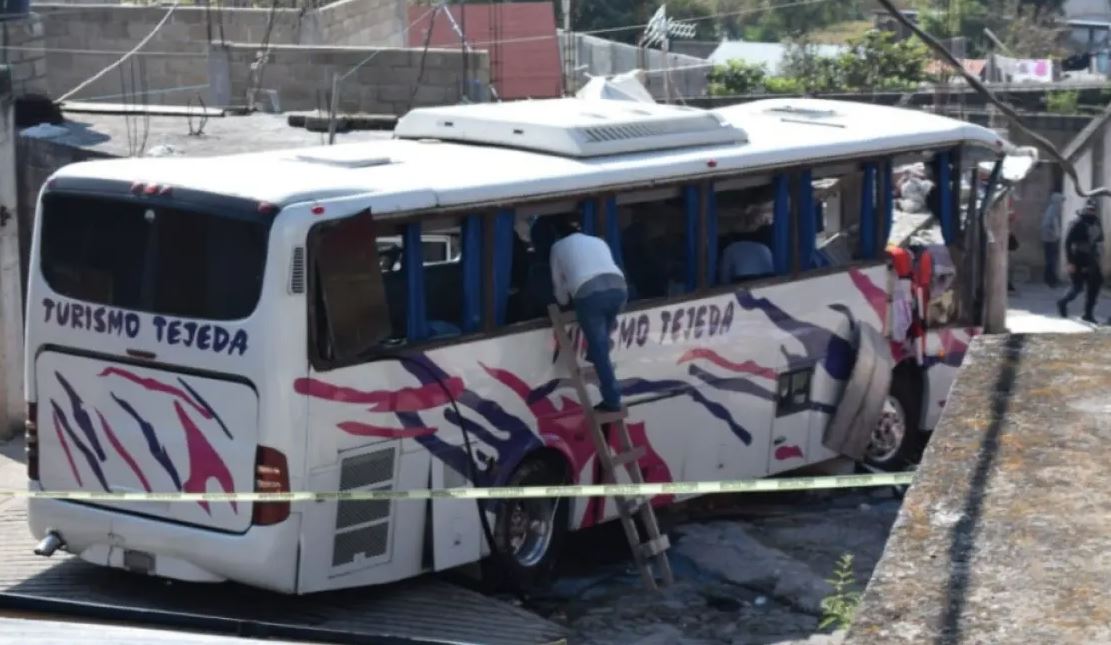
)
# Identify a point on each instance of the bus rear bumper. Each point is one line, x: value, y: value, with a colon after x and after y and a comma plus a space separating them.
x: 264, y: 556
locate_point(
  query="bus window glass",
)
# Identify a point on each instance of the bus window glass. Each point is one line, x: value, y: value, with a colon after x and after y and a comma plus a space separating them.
x: 443, y: 276
x: 351, y: 306
x: 530, y: 288
x: 653, y: 243
x: 744, y: 244
x: 152, y: 258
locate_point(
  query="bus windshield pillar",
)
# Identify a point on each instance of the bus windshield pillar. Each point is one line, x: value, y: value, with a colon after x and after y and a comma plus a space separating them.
x: 781, y: 225
x: 868, y: 213
x: 472, y: 273
x: 416, y: 327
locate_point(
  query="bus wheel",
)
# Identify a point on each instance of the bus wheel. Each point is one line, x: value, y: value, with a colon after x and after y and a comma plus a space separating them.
x: 896, y: 440
x: 529, y: 533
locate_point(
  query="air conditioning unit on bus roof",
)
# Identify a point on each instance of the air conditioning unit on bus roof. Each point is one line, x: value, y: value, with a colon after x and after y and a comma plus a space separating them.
x: 572, y: 127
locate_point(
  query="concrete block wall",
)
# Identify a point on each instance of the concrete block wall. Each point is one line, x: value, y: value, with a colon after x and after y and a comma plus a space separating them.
x: 302, y: 76
x: 602, y: 57
x: 81, y: 39
x: 21, y: 48
x: 364, y: 23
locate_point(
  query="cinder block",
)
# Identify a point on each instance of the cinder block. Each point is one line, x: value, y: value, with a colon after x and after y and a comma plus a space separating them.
x: 395, y: 93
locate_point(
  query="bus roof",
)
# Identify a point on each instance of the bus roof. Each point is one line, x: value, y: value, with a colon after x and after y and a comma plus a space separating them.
x: 402, y: 175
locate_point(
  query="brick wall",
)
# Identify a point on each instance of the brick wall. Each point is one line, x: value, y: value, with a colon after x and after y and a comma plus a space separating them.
x: 21, y: 47
x: 302, y: 76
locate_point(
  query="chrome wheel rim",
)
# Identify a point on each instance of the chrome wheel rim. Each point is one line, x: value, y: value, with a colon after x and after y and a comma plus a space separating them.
x: 889, y: 432
x: 530, y: 529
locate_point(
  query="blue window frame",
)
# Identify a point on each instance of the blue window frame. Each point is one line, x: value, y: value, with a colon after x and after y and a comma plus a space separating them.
x: 943, y: 175
x: 693, y: 200
x: 887, y: 201
x: 711, y: 234
x: 472, y: 273
x: 807, y: 224
x: 781, y: 225
x: 867, y: 249
x: 412, y: 263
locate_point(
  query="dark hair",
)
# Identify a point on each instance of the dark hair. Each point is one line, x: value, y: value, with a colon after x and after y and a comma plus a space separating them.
x: 562, y: 228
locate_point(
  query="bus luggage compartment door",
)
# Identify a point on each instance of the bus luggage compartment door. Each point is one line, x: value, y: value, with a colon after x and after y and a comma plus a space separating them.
x: 115, y: 427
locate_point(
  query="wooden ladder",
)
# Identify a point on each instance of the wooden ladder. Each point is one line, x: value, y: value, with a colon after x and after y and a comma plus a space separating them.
x: 646, y: 552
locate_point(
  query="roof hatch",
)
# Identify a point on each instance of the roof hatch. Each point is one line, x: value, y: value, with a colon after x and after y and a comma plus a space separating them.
x: 572, y: 127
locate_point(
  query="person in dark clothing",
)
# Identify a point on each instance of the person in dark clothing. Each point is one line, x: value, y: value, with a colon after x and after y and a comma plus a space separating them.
x: 1083, y: 249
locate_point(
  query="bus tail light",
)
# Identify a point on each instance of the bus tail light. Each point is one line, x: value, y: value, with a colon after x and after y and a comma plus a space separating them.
x: 271, y: 476
x: 31, y: 439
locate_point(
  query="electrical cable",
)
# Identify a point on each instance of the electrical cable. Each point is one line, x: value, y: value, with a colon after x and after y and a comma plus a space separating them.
x: 126, y: 56
x: 1007, y: 110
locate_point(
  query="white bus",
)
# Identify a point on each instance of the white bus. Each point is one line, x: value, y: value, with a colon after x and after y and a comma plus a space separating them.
x: 226, y: 324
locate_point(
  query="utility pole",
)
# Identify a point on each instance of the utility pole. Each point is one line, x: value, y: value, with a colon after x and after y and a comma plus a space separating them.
x: 11, y: 285
x: 568, y: 43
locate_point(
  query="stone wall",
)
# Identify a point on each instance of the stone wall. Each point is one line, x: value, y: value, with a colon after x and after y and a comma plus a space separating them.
x: 384, y: 84
x: 21, y: 48
x: 600, y: 57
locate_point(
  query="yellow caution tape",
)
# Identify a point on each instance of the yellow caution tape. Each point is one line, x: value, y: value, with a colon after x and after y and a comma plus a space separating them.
x: 504, y: 492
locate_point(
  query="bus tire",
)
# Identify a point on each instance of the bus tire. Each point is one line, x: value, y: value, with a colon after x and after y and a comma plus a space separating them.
x: 897, y: 441
x: 529, y: 533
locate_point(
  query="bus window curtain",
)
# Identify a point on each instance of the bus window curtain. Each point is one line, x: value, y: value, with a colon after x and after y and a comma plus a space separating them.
x: 943, y: 183
x: 472, y: 273
x: 868, y: 213
x: 416, y: 327
x: 589, y: 217
x: 693, y: 212
x: 781, y: 225
x: 503, y: 262
x: 711, y: 234
x: 613, y: 231
x: 807, y: 224
x: 887, y: 199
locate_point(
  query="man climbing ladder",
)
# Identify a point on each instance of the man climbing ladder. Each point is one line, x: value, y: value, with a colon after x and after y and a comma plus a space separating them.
x: 583, y: 272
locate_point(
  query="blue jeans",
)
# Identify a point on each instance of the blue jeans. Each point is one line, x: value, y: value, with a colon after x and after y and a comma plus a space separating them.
x: 597, y: 314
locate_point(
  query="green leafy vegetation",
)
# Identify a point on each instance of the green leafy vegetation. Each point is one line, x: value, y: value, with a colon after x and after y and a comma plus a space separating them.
x: 839, y: 608
x: 873, y: 61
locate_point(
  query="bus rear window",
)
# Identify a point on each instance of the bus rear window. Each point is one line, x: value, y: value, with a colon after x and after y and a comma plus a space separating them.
x: 151, y: 258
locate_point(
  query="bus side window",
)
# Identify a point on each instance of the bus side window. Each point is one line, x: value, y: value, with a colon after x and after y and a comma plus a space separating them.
x: 744, y: 241
x: 530, y: 274
x: 653, y: 242
x: 351, y: 312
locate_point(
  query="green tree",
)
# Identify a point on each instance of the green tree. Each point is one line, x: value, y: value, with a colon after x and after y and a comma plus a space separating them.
x: 874, y: 61
x: 736, y: 77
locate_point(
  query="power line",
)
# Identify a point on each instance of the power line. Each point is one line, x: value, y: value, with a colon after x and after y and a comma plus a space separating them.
x: 126, y: 56
x: 1007, y: 110
x: 504, y: 41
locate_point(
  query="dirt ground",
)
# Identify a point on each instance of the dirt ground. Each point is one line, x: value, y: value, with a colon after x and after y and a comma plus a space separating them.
x: 748, y: 571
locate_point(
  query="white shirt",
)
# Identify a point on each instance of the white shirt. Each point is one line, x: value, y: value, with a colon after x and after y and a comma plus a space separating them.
x: 576, y: 259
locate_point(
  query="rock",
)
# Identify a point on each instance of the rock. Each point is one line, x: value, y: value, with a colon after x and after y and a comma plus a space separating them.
x: 726, y: 550
x: 664, y: 635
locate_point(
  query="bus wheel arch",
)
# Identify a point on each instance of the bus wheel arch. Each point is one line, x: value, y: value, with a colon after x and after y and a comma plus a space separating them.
x: 530, y: 533
x: 897, y: 440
